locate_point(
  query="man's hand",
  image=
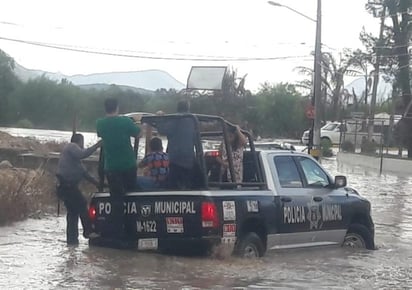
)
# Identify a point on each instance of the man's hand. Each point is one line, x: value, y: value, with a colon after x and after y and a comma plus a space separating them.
x: 137, y: 118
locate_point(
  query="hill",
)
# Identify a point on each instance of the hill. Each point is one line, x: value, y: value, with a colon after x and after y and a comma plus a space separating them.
x: 148, y: 79
x: 101, y: 87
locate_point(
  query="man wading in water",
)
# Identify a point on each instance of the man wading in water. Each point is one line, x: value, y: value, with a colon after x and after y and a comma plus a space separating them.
x: 70, y: 172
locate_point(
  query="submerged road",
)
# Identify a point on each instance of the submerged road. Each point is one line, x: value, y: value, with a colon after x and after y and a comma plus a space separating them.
x: 33, y: 255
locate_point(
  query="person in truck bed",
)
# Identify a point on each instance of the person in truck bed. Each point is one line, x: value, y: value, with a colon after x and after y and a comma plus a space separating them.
x: 119, y: 160
x: 237, y: 142
x: 70, y: 172
x: 157, y: 164
x: 181, y: 136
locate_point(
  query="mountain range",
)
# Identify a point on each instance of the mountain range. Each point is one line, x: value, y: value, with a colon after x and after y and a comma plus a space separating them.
x: 136, y: 80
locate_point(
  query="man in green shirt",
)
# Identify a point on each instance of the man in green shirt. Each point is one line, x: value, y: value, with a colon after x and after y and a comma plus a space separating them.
x: 119, y: 159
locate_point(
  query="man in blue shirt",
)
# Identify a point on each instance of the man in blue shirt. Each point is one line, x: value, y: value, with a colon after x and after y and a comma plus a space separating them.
x: 181, y: 136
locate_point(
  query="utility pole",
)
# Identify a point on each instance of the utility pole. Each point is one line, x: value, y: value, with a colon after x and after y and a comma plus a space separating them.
x: 314, y: 137
x: 317, y: 89
x: 376, y: 78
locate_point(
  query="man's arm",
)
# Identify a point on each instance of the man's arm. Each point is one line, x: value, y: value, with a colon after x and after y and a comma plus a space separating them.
x: 76, y: 152
x: 242, y: 138
x: 134, y: 130
x: 143, y: 163
x: 90, y: 178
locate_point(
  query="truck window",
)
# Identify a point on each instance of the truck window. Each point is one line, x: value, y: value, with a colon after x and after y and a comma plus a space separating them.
x: 287, y: 172
x: 314, y: 174
x: 329, y: 127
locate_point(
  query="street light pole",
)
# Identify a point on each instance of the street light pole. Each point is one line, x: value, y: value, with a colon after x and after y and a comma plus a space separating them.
x: 317, y: 80
x: 291, y: 9
x: 317, y: 87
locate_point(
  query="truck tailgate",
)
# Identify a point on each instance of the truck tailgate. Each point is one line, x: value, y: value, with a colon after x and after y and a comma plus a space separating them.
x: 160, y: 217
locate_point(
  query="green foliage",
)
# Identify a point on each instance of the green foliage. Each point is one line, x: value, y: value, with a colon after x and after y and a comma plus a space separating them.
x: 279, y: 111
x: 8, y: 82
x: 326, y: 148
x: 24, y: 123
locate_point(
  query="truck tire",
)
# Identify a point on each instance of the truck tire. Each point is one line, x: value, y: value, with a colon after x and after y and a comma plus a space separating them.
x: 249, y: 246
x: 358, y: 236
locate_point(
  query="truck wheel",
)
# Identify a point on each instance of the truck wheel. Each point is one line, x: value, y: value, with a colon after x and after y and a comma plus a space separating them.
x: 358, y: 236
x: 250, y: 246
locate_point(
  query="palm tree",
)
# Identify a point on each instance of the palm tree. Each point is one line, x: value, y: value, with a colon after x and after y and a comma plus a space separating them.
x: 333, y: 72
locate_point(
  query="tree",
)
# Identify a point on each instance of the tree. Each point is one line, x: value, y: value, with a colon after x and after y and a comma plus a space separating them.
x: 280, y: 111
x: 8, y: 82
x: 333, y: 73
x: 361, y: 62
x: 400, y: 35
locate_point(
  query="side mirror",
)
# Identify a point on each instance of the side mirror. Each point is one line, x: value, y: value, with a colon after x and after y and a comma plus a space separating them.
x: 340, y: 181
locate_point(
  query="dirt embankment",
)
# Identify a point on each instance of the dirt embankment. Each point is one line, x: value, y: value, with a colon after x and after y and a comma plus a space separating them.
x: 25, y: 192
x: 8, y: 141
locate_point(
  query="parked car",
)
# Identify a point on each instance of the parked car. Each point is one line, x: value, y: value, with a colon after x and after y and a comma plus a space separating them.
x: 334, y: 133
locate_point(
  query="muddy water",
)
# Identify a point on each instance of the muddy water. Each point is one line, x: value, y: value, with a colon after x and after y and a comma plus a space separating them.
x: 33, y: 255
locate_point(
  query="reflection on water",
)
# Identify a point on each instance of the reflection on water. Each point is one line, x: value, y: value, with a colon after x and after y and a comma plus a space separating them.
x: 33, y: 254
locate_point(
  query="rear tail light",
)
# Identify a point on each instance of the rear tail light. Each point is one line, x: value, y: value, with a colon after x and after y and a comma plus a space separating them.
x: 92, y: 212
x: 210, y: 218
x: 212, y: 154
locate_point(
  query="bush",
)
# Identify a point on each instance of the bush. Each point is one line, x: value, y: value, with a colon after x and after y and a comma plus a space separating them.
x: 24, y: 123
x: 24, y: 192
x: 347, y: 146
x: 326, y: 148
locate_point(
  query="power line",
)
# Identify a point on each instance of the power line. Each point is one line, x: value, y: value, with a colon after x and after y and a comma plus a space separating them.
x: 211, y: 58
x: 225, y: 42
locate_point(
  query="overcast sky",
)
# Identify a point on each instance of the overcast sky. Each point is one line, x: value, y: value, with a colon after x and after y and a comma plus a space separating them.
x: 180, y: 29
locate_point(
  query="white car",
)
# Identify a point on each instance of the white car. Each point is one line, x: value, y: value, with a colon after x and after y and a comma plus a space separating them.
x: 330, y: 132
x: 353, y: 132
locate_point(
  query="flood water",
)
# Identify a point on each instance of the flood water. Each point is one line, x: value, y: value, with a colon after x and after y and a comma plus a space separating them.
x: 33, y: 255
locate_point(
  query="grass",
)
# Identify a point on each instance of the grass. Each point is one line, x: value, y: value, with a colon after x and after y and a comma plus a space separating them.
x: 24, y: 192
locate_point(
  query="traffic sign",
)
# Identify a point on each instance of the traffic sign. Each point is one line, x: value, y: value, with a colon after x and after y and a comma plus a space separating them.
x: 310, y: 112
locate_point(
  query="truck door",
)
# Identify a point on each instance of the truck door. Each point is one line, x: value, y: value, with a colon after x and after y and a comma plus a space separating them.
x: 327, y: 211
x: 294, y: 203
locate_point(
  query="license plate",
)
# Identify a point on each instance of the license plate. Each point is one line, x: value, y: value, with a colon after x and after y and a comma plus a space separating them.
x: 147, y: 244
x: 146, y: 226
x: 174, y: 225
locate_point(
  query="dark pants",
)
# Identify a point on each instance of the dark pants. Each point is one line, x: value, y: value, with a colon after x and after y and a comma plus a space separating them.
x: 76, y: 206
x: 120, y: 182
x: 180, y: 177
